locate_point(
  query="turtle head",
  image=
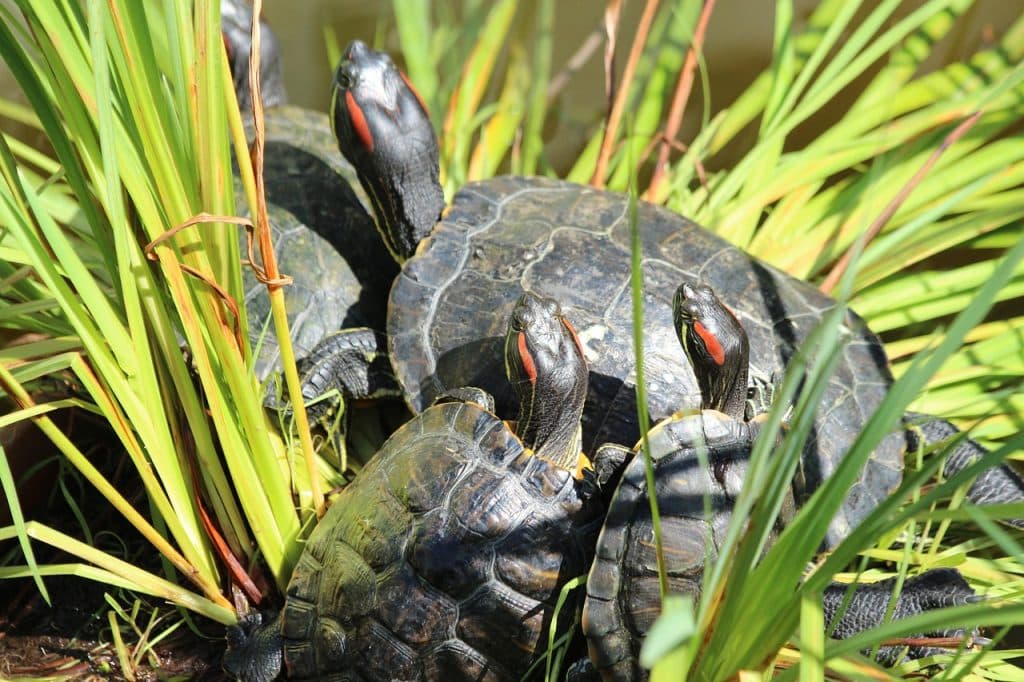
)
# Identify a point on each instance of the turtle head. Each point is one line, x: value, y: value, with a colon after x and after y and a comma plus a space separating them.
x: 716, y: 346
x: 384, y: 131
x: 235, y: 29
x: 545, y: 364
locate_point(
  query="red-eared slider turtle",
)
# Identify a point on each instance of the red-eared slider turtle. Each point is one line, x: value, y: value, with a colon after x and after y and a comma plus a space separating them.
x: 445, y: 557
x: 623, y: 589
x: 322, y: 234
x: 507, y: 235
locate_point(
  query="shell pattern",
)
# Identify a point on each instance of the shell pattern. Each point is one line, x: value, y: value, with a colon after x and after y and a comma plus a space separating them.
x: 572, y: 243
x: 442, y: 560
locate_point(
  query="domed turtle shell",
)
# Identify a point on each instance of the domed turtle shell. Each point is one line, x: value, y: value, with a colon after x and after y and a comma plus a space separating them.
x: 570, y: 242
x: 498, y: 238
x: 323, y: 237
x: 443, y: 560
x: 623, y: 593
x: 623, y: 597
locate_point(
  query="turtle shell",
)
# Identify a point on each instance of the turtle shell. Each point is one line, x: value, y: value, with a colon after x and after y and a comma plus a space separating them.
x: 442, y: 560
x: 623, y: 597
x: 572, y: 243
x: 324, y: 239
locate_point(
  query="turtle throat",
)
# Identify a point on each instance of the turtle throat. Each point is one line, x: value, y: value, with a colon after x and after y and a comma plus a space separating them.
x: 726, y: 390
x: 549, y: 422
x: 407, y: 202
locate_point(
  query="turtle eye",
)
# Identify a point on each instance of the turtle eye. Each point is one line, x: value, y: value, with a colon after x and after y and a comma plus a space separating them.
x: 344, y: 81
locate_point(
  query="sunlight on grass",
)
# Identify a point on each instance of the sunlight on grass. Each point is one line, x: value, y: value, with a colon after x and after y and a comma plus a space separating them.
x: 141, y: 125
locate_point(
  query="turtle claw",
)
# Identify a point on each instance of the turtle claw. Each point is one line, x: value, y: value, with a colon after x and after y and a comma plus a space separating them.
x: 609, y: 462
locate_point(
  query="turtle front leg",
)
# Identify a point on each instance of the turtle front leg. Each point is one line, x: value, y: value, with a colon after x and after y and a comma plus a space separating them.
x: 602, y: 478
x: 353, y: 362
x: 254, y: 649
x: 346, y: 366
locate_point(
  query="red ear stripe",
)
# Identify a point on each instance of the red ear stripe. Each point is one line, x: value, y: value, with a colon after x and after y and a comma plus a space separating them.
x: 355, y: 115
x: 527, y: 359
x: 711, y: 344
x: 414, y: 91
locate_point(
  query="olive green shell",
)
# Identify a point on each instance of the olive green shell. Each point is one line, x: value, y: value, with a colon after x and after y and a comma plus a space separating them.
x: 324, y: 238
x: 442, y: 560
x: 572, y: 243
x: 623, y: 597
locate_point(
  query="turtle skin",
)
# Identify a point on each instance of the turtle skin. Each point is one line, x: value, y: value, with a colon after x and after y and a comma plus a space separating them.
x: 323, y: 237
x: 442, y: 560
x: 572, y: 243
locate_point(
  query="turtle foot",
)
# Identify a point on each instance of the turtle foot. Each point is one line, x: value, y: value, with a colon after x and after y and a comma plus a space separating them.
x: 606, y: 470
x: 934, y: 589
x: 995, y: 485
x: 254, y: 649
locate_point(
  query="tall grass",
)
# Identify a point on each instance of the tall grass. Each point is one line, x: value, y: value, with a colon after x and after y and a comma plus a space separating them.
x: 924, y: 162
x: 113, y: 252
x: 134, y: 101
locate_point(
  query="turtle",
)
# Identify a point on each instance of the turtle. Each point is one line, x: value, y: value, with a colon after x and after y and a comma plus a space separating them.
x: 321, y: 230
x: 623, y: 595
x: 464, y: 266
x: 444, y: 558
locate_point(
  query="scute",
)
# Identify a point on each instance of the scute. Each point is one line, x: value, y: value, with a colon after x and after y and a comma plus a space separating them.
x: 414, y: 611
x: 448, y: 556
x: 416, y: 486
x: 419, y: 569
x: 489, y: 506
x: 456, y: 661
x: 495, y: 614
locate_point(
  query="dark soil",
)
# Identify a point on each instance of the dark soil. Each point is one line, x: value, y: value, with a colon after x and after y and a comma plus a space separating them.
x: 61, y: 658
x: 72, y: 640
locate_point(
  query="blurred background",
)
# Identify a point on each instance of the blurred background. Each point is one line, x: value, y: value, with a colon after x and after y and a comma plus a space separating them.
x: 738, y: 47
